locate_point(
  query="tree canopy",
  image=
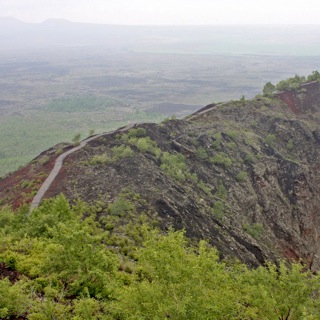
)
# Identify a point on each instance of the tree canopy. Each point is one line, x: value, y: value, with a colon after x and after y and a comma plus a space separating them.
x: 75, y: 264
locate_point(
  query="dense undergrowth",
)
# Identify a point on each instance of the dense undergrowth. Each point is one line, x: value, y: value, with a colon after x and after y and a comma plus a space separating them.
x: 74, y: 263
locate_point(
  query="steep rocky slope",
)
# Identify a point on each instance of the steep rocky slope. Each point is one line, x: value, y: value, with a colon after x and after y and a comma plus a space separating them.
x: 242, y: 174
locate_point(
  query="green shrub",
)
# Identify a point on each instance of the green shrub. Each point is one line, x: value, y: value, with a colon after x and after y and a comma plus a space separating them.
x: 218, y: 209
x: 201, y: 153
x: 13, y: 301
x: 249, y: 158
x: 203, y: 187
x: 122, y: 151
x: 221, y: 192
x: 269, y: 89
x: 100, y: 159
x: 270, y: 139
x: 242, y: 176
x: 290, y: 145
x: 254, y: 230
x: 118, y: 152
x: 174, y: 164
x: 221, y: 159
x: 232, y: 134
x: 232, y: 145
x: 120, y: 206
x: 217, y: 141
x: 145, y: 144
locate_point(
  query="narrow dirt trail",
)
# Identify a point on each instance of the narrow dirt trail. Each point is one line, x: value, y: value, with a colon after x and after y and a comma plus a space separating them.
x: 59, y: 162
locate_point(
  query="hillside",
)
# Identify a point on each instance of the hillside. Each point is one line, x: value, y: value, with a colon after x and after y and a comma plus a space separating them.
x: 242, y: 174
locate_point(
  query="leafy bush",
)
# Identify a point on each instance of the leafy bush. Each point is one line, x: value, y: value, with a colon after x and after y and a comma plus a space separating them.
x: 242, y: 176
x: 290, y: 145
x: 72, y: 268
x: 121, y: 152
x: 174, y: 164
x: 118, y: 152
x: 221, y: 159
x: 250, y: 158
x: 203, y: 187
x: 145, y: 144
x: 218, y: 209
x: 270, y: 139
x: 201, y: 153
x: 269, y: 89
x: 13, y: 301
x: 120, y: 206
x: 217, y: 141
x: 232, y: 133
x: 232, y: 145
x: 255, y: 230
x: 100, y: 159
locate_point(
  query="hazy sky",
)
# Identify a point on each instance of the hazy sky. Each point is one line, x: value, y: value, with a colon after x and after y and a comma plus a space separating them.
x: 166, y: 11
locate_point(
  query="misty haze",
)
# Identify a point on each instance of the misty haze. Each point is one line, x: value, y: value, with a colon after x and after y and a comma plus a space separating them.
x: 50, y: 72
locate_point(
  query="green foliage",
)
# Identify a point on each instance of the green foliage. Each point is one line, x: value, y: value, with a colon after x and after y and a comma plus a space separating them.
x: 221, y: 159
x: 242, y: 176
x: 283, y: 293
x: 174, y: 165
x: 270, y: 139
x: 290, y: 145
x: 144, y: 144
x: 100, y: 159
x: 232, y: 134
x: 203, y: 187
x: 13, y: 301
x: 221, y: 192
x: 121, y: 152
x: 314, y: 76
x: 120, y: 206
x: 202, y: 153
x: 250, y: 158
x: 218, y: 209
x: 290, y: 83
x: 217, y: 141
x: 232, y: 145
x: 177, y: 283
x: 269, y: 89
x: 73, y: 268
x: 255, y: 230
x: 118, y: 152
x: 293, y: 83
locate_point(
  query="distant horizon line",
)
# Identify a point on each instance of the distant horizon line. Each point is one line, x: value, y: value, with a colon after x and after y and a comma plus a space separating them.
x: 156, y: 25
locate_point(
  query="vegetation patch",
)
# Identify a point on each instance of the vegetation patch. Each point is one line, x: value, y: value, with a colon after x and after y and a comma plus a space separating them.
x: 255, y: 230
x: 221, y: 159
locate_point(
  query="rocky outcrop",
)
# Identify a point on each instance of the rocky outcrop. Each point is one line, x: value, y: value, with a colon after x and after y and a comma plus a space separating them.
x: 305, y: 99
x: 244, y: 175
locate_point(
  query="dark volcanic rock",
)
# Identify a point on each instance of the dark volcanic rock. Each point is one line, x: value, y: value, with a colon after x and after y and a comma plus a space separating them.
x: 250, y: 184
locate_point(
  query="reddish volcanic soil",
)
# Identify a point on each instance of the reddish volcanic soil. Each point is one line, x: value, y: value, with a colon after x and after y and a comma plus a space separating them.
x: 20, y: 187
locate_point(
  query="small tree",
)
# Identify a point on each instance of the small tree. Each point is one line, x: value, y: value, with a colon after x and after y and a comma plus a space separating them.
x: 268, y: 89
